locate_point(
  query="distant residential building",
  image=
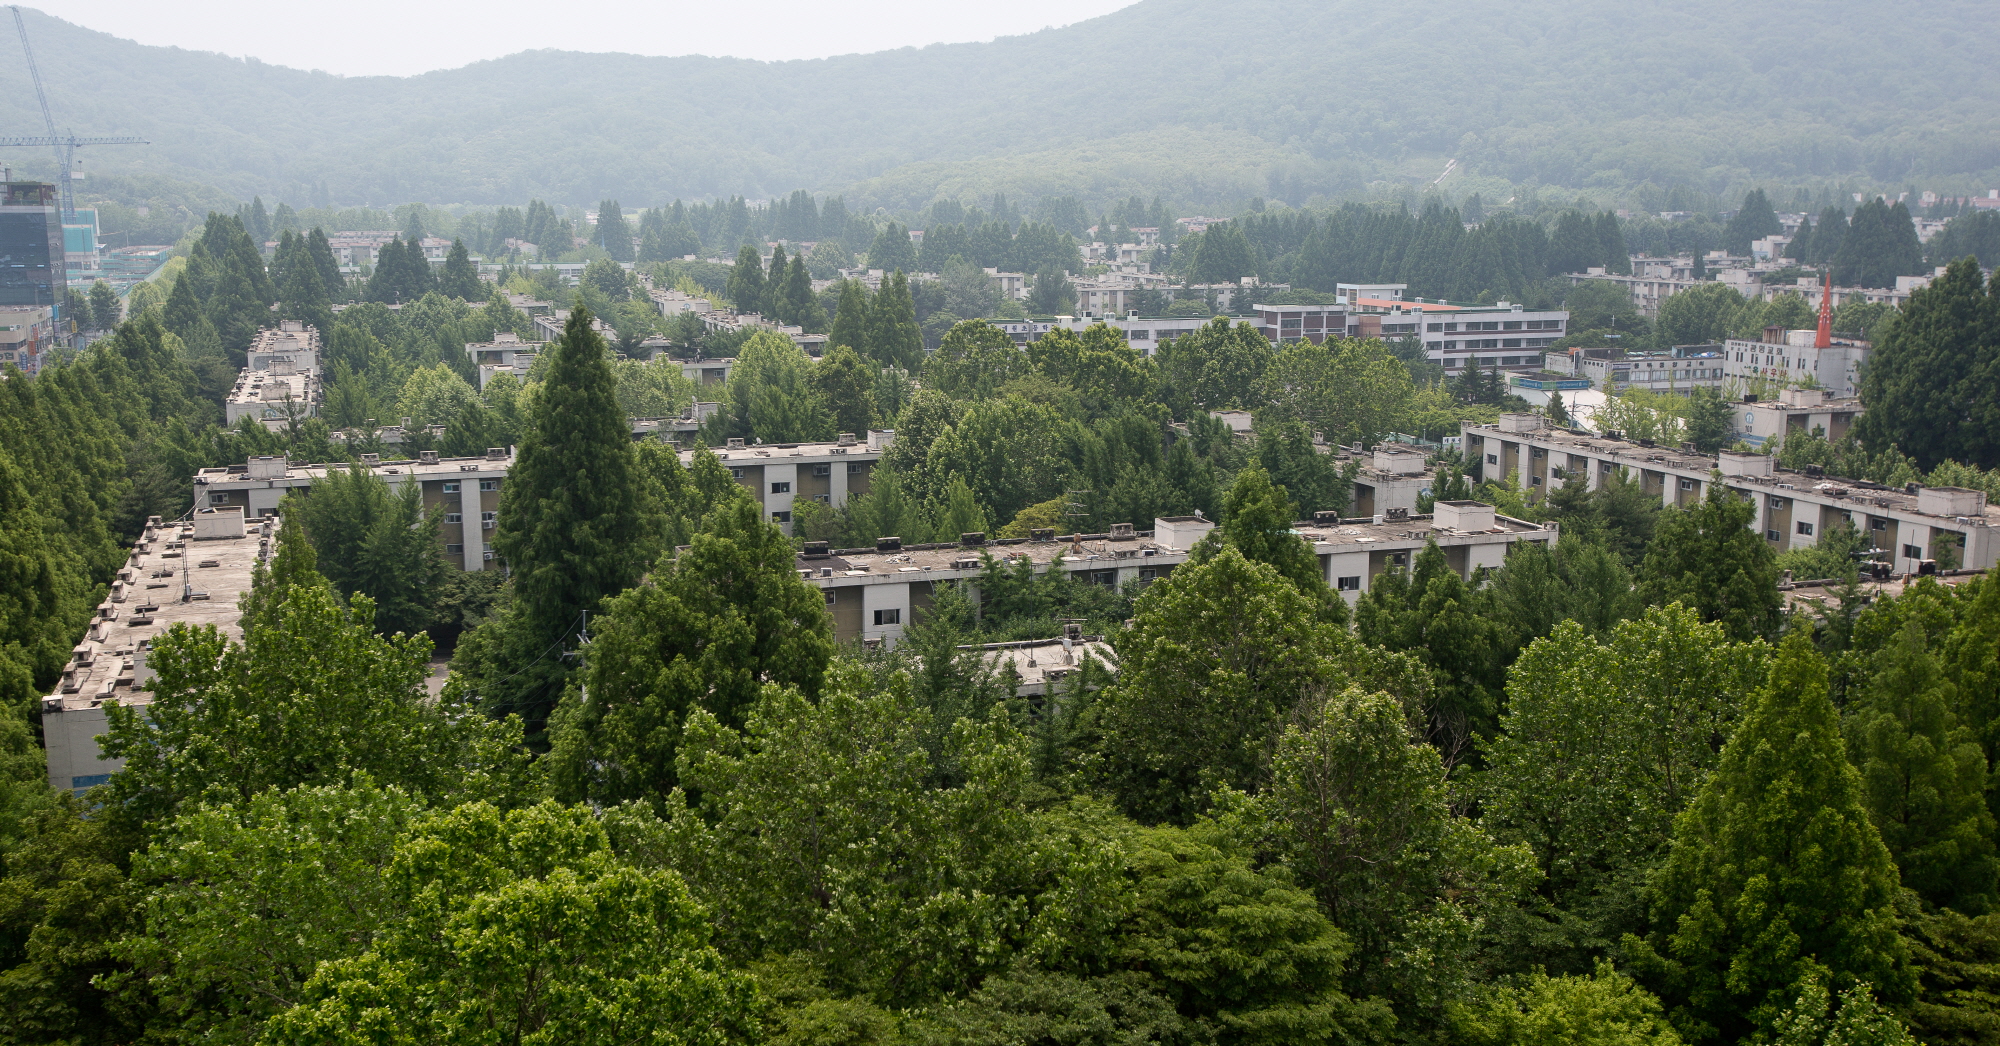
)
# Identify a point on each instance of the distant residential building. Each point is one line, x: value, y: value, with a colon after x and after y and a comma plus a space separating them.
x: 1760, y: 422
x: 1678, y: 371
x: 874, y: 595
x: 1489, y: 337
x: 188, y: 572
x: 1793, y: 508
x: 1793, y: 356
x: 505, y: 354
x: 25, y: 335
x: 280, y: 384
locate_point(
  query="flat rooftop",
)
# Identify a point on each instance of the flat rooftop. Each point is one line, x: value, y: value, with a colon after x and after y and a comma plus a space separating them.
x: 1863, y: 493
x: 1090, y: 548
x: 173, y: 577
x: 1037, y: 663
x: 441, y: 468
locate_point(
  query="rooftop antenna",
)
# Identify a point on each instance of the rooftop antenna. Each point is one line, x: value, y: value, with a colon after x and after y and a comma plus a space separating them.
x: 64, y: 145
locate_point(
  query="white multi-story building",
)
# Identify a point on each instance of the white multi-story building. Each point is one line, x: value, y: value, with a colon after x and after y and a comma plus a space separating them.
x: 1790, y: 357
x: 1910, y: 524
x: 1490, y: 337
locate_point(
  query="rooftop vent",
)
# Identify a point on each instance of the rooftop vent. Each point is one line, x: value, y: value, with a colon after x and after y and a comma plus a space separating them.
x: 972, y: 539
x: 371, y: 459
x: 1042, y: 534
x: 736, y: 443
x: 816, y: 549
x: 892, y: 544
x: 427, y: 457
x: 1324, y: 518
x: 496, y: 453
x: 1121, y: 531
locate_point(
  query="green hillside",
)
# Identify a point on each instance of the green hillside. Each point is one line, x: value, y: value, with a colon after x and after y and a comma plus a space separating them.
x: 1206, y: 101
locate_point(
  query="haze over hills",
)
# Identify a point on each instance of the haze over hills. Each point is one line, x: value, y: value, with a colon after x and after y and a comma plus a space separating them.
x: 1199, y: 101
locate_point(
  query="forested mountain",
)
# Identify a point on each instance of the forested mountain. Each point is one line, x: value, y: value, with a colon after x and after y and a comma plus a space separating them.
x: 1202, y: 101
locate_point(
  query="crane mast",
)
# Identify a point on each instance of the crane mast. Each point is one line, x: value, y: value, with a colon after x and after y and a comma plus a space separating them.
x: 65, y: 145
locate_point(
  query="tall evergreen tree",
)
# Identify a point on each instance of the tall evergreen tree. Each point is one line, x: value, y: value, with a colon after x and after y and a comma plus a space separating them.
x: 575, y: 524
x: 777, y: 305
x: 851, y: 319
x: 1933, y: 383
x: 1616, y: 258
x: 746, y: 280
x: 613, y: 234
x: 1924, y: 777
x: 1753, y: 221
x: 460, y: 278
x: 1776, y: 874
x: 893, y: 336
x: 1828, y: 233
x: 892, y: 250
x: 1708, y: 558
x: 321, y: 253
x: 801, y: 305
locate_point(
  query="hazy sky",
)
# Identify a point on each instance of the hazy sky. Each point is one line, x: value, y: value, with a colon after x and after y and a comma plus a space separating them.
x: 369, y: 37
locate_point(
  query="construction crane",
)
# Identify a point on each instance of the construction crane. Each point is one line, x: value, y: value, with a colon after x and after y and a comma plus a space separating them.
x: 65, y: 144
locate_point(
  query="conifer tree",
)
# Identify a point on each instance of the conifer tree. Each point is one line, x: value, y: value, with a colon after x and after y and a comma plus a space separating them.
x: 1257, y: 521
x: 1828, y: 234
x: 851, y: 318
x: 321, y: 253
x: 746, y: 280
x: 1776, y: 874
x: 1753, y: 221
x: 776, y: 306
x: 800, y: 305
x: 1708, y: 559
x: 575, y: 523
x: 892, y: 250
x: 847, y: 388
x: 1924, y: 777
x: 613, y: 234
x: 1616, y: 258
x: 1933, y: 383
x: 460, y: 278
x: 893, y: 336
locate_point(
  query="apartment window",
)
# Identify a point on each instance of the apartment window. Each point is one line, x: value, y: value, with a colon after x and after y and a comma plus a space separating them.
x: 454, y: 517
x: 454, y: 550
x: 1534, y: 481
x: 830, y: 596
x: 1488, y: 361
x: 824, y: 499
x: 889, y: 617
x: 1687, y: 484
x: 781, y: 488
x: 1511, y: 325
x: 1912, y: 552
x: 488, y: 520
x: 1805, y: 528
x: 1772, y: 535
x: 1510, y: 361
x: 1450, y: 345
x: 451, y: 486
x: 1778, y: 502
x: 1435, y: 328
x: 489, y: 484
x: 822, y: 470
x: 1347, y: 584
x: 781, y: 517
x: 735, y: 473
x: 218, y: 499
x: 1493, y: 459
x: 1510, y: 343
x: 1452, y: 328
x: 855, y: 468
x: 1878, y: 524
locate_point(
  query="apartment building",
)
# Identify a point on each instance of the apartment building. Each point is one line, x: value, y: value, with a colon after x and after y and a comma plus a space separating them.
x: 874, y: 594
x: 465, y: 492
x: 1314, y: 323
x: 1793, y: 508
x: 26, y: 332
x: 281, y: 382
x: 1490, y: 337
x: 1832, y: 363
x: 1796, y: 411
x: 1678, y: 371
x: 1652, y: 281
x: 781, y: 475
x: 1144, y: 332
x: 505, y: 354
x: 186, y: 572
